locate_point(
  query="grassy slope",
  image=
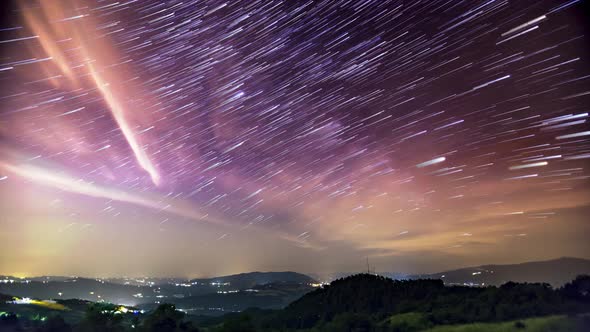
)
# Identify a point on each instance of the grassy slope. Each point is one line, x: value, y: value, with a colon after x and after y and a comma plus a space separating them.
x: 542, y: 324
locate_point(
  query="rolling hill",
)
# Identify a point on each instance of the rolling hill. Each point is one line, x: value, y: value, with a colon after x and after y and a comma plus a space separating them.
x: 555, y: 272
x: 225, y: 293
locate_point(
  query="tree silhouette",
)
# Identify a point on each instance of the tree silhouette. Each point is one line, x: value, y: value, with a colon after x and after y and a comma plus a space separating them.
x: 166, y: 318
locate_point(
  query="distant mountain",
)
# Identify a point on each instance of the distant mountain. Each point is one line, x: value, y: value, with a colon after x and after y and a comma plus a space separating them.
x: 555, y: 272
x: 328, y: 277
x: 250, y: 279
x: 247, y: 289
x: 74, y: 288
x: 267, y: 296
x: 146, y: 281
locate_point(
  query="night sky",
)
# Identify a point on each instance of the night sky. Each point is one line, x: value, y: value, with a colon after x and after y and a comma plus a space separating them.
x: 194, y: 138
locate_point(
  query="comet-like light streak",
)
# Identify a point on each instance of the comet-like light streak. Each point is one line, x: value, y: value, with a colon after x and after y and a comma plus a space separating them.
x: 389, y: 129
x: 48, y: 23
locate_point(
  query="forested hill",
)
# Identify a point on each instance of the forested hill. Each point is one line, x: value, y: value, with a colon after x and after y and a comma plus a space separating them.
x: 378, y: 296
x: 366, y: 293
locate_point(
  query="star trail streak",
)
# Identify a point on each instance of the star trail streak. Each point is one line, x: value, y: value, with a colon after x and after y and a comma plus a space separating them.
x: 251, y: 131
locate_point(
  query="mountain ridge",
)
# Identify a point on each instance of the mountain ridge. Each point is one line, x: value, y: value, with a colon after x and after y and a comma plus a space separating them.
x: 555, y: 272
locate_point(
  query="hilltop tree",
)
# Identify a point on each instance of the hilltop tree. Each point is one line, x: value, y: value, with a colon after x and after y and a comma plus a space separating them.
x: 54, y: 324
x: 240, y: 323
x: 101, y: 318
x: 166, y: 318
x: 578, y: 289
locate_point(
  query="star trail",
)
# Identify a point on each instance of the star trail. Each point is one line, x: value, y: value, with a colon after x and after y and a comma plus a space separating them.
x: 306, y: 135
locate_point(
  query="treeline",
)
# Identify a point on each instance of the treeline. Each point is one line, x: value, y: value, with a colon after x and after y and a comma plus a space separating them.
x: 374, y: 303
x: 101, y: 317
x: 375, y: 298
x: 362, y: 303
